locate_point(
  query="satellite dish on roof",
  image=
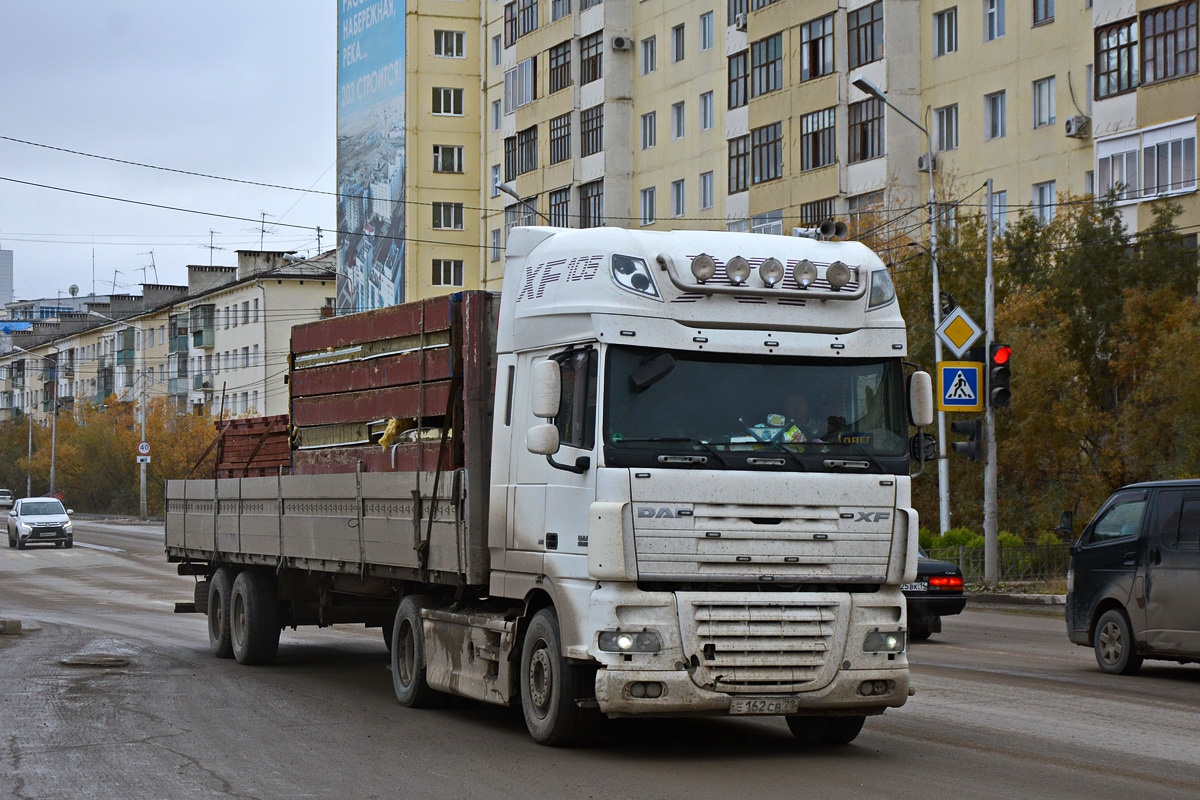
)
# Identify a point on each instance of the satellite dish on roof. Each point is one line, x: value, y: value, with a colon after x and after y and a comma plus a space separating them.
x: 74, y: 290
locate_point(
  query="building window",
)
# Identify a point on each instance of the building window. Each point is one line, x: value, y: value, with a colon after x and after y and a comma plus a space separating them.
x: 994, y: 126
x: 527, y: 150
x: 591, y: 130
x: 816, y: 48
x: 584, y: 5
x: 766, y: 57
x: 647, y: 197
x: 816, y: 212
x: 447, y: 158
x: 447, y: 102
x: 497, y: 50
x: 677, y: 120
x: 254, y: 318
x: 591, y: 204
x: 523, y: 212
x: 766, y: 152
x: 945, y: 128
x: 739, y: 164
x: 676, y: 44
x: 737, y: 8
x: 739, y: 78
x: 757, y: 4
x: 1169, y: 45
x: 706, y: 30
x: 591, y: 53
x: 497, y: 114
x: 993, y: 19
x: 447, y: 272
x: 767, y: 222
x: 706, y: 190
x: 864, y: 34
x: 510, y: 23
x: 1169, y: 159
x: 1043, y: 11
x: 510, y: 157
x: 560, y: 66
x: 817, y: 143
x: 648, y: 55
x: 496, y: 179
x: 945, y: 32
x: 706, y: 111
x: 527, y: 16
x: 649, y: 129
x: 861, y: 204
x: 449, y: 44
x: 559, y: 9
x: 560, y: 207
x: 560, y: 138
x: 866, y: 130
x: 497, y: 249
x: 1116, y: 67
x: 448, y: 216
x: 999, y: 211
x: 520, y: 85
x: 677, y: 198
x: 1043, y: 202
x: 245, y: 312
x: 1043, y: 102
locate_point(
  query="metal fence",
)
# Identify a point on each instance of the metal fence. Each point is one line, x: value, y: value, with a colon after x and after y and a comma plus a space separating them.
x: 1035, y: 562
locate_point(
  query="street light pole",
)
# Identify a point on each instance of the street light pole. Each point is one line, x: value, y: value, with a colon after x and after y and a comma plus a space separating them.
x: 511, y: 192
x: 943, y: 463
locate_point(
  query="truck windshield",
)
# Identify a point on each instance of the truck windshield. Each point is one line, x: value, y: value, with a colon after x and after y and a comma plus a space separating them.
x: 720, y: 410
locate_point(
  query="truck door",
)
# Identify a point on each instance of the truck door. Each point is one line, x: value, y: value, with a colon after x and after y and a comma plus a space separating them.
x: 1172, y: 615
x: 1106, y: 557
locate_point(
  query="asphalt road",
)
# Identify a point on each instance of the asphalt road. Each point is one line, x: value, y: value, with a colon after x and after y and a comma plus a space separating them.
x: 108, y: 694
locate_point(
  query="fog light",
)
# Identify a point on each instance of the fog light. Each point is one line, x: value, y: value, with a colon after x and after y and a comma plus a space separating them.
x: 878, y: 641
x: 875, y: 688
x: 738, y: 269
x: 651, y: 690
x: 630, y: 642
x: 637, y: 690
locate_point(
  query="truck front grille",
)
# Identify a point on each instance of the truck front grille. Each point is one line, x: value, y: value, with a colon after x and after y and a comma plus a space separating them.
x: 753, y: 646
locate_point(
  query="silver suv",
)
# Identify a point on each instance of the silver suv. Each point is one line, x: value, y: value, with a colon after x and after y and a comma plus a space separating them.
x: 40, y: 520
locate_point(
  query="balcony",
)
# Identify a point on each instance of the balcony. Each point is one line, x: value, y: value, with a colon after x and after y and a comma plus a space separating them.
x: 178, y: 343
x: 203, y: 337
x: 177, y: 386
x: 125, y: 358
x: 202, y: 382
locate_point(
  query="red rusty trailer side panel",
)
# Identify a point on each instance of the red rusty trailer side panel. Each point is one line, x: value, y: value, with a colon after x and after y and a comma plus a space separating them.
x: 369, y: 326
x: 370, y: 405
x: 397, y: 370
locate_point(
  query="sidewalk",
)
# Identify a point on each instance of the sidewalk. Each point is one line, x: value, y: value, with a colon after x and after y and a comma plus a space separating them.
x: 1013, y: 599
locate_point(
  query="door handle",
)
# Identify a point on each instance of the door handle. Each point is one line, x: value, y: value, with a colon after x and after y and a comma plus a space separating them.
x: 1130, y: 558
x: 1155, y: 556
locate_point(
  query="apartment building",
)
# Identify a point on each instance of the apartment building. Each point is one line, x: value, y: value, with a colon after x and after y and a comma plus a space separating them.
x: 219, y: 344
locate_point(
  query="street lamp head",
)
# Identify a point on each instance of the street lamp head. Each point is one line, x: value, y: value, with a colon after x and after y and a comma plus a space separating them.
x: 508, y: 190
x: 864, y: 85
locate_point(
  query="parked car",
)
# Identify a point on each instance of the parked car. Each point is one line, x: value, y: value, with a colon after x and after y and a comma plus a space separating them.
x: 6, y: 498
x: 937, y: 592
x: 40, y: 520
x: 1131, y: 587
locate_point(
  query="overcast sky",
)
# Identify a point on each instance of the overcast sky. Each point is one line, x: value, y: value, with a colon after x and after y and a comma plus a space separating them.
x: 241, y: 90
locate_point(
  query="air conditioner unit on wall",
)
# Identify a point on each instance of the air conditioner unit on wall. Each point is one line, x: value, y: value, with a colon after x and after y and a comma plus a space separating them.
x: 622, y: 43
x: 1078, y: 127
x: 923, y: 162
x: 739, y: 21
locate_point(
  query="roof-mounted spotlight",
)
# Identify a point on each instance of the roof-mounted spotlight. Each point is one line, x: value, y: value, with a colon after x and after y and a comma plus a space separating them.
x: 805, y: 273
x: 703, y: 267
x: 771, y: 272
x: 738, y: 269
x: 838, y: 275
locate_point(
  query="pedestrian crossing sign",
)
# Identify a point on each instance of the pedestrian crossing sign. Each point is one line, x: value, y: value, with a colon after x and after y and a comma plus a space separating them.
x: 960, y: 386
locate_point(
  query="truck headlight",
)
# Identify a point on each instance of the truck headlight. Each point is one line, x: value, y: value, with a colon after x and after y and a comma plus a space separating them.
x: 630, y: 642
x: 884, y: 642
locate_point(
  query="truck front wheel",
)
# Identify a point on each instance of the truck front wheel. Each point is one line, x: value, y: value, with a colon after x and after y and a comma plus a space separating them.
x: 551, y: 686
x: 408, y: 656
x: 254, y: 618
x: 825, y: 730
x: 219, y: 588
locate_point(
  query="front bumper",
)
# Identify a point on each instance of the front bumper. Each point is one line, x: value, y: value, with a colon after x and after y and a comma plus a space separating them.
x: 45, y: 537
x: 680, y: 695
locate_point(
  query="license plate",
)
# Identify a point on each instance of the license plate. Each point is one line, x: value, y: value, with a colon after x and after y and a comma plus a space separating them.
x: 764, y: 705
x: 915, y: 587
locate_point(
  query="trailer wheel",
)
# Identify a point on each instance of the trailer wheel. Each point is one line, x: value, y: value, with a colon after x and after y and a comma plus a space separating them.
x: 408, y: 656
x: 219, y: 588
x: 254, y: 618
x: 551, y: 685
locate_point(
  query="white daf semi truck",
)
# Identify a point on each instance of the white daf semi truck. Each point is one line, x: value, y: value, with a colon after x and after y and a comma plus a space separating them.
x: 672, y: 478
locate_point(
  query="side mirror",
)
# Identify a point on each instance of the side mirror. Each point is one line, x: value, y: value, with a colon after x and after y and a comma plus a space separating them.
x: 70, y: 511
x: 542, y: 440
x: 1066, y: 522
x: 920, y: 399
x: 546, y: 393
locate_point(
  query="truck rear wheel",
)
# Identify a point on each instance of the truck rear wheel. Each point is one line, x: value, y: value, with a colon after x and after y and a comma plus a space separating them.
x: 551, y: 685
x: 219, y: 588
x: 254, y: 618
x: 408, y: 656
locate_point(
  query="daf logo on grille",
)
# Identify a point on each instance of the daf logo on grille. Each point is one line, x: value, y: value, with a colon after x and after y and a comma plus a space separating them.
x: 659, y: 512
x: 872, y: 516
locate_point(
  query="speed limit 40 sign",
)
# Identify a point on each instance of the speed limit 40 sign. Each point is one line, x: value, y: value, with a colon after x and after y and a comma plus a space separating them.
x: 143, y: 448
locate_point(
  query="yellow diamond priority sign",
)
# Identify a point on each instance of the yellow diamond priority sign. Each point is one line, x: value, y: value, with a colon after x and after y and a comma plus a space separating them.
x: 958, y: 331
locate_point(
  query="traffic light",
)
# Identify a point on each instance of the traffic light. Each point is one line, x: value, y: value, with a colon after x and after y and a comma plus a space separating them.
x: 972, y: 448
x: 999, y: 376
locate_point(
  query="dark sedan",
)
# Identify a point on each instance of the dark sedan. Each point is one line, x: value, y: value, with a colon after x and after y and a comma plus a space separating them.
x: 937, y: 592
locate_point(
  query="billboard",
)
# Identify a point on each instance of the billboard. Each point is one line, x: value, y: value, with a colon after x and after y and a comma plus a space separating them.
x: 370, y: 154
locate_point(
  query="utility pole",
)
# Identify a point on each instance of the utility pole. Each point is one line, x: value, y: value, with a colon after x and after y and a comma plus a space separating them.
x: 991, y: 534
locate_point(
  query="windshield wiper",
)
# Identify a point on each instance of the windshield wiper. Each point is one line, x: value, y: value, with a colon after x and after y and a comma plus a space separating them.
x: 703, y: 444
x: 871, y: 460
x: 779, y: 447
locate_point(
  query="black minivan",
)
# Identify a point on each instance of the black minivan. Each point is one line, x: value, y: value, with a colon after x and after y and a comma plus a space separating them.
x: 1133, y: 590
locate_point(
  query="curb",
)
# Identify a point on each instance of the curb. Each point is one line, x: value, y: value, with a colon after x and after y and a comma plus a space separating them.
x: 10, y: 626
x: 999, y: 599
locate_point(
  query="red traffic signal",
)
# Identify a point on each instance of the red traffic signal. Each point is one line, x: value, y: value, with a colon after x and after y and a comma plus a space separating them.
x: 1001, y: 353
x: 999, y: 376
